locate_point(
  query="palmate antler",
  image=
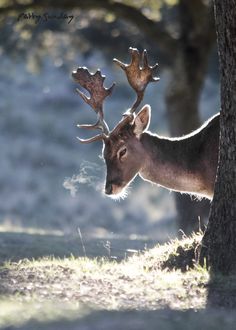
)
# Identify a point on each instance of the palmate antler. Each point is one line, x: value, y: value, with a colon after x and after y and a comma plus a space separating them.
x: 93, y: 83
x: 139, y: 73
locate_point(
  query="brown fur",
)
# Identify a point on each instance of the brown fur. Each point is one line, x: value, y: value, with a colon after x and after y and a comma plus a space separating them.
x: 187, y: 164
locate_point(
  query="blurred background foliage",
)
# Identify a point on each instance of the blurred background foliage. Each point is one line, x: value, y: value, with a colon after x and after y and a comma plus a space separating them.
x: 40, y: 154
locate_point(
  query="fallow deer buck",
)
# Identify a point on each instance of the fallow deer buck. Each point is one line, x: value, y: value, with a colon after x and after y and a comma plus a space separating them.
x: 186, y: 164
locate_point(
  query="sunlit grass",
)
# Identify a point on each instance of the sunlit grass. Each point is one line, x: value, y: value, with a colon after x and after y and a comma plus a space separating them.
x: 59, y: 288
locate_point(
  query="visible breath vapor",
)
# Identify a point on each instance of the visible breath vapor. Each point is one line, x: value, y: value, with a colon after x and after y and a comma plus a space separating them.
x: 90, y: 174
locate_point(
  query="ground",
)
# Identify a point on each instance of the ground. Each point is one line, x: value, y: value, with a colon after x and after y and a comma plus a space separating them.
x: 161, y: 286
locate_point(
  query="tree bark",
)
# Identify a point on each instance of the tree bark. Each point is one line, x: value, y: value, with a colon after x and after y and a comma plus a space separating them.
x: 182, y: 97
x: 219, y: 241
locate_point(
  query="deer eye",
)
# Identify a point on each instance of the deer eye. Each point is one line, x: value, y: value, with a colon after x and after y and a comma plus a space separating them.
x: 122, y: 153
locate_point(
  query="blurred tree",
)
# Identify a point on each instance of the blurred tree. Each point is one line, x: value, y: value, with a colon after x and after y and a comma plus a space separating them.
x: 220, y: 236
x: 184, y: 34
x: 195, y: 42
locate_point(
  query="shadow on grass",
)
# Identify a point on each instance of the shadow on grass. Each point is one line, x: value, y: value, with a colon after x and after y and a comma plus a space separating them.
x: 164, y: 319
x: 221, y: 292
x: 17, y: 246
x: 221, y: 289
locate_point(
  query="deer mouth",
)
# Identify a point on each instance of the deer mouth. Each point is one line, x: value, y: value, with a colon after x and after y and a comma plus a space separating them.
x: 115, y: 191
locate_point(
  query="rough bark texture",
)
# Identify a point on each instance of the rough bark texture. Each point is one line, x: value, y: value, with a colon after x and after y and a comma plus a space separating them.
x: 182, y: 97
x: 220, y: 236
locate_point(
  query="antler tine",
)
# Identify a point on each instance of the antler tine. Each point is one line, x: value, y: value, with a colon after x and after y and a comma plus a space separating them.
x: 139, y: 73
x: 93, y: 83
x: 98, y: 137
x: 100, y: 124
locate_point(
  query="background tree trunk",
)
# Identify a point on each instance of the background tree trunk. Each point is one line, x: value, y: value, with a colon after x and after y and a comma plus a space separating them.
x: 220, y: 236
x: 187, y: 77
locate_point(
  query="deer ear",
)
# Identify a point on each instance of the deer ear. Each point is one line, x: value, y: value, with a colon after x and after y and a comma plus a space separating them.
x: 142, y: 120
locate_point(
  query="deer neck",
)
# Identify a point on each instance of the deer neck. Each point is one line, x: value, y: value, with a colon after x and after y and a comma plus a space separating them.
x: 171, y: 163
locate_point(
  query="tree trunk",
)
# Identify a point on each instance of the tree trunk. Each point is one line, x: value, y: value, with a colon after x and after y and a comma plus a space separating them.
x: 220, y: 237
x: 182, y: 97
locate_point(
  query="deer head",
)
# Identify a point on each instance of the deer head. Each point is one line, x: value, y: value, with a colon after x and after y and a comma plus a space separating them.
x: 122, y: 148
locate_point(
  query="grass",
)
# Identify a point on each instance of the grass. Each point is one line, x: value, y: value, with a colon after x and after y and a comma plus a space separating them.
x: 18, y: 245
x: 60, y: 293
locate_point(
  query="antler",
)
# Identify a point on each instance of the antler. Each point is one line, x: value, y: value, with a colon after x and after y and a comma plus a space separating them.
x: 138, y: 73
x: 93, y: 83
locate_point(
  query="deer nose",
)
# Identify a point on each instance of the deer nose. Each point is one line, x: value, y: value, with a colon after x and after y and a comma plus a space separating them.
x: 108, y: 189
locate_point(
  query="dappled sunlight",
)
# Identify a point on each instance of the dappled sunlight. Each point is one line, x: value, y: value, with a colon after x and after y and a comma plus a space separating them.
x: 80, y: 286
x: 106, y: 283
x: 51, y: 289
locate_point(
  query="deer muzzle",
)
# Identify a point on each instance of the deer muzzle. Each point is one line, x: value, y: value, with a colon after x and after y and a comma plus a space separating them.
x: 113, y: 187
x: 108, y: 188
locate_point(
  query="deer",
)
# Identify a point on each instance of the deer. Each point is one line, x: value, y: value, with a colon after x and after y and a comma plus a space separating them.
x: 186, y: 164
